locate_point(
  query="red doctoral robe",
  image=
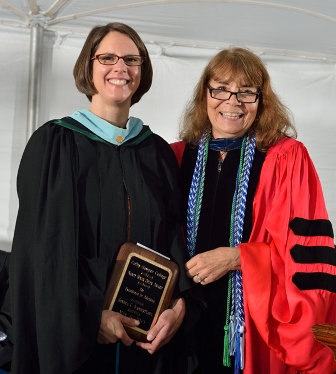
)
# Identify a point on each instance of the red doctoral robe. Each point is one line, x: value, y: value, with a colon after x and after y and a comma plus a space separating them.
x: 288, y: 267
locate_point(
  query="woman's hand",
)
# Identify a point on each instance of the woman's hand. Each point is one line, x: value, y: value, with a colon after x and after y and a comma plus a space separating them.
x: 166, y: 326
x: 112, y: 328
x: 209, y: 266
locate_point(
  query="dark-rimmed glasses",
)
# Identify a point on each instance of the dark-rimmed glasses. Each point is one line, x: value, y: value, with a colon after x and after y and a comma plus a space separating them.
x: 241, y: 96
x: 111, y: 59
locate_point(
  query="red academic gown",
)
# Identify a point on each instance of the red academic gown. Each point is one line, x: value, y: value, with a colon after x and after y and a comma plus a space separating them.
x: 279, y: 311
x: 288, y: 267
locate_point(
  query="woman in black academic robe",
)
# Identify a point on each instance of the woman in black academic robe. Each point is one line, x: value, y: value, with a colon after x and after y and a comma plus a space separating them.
x: 87, y: 184
x: 214, y: 232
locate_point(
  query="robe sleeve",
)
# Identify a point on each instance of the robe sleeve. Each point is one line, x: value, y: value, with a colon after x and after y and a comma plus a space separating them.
x: 288, y: 266
x: 44, y: 291
x: 175, y: 240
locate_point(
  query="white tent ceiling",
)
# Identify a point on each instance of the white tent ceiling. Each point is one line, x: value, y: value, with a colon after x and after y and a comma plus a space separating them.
x: 303, y: 28
x: 295, y: 38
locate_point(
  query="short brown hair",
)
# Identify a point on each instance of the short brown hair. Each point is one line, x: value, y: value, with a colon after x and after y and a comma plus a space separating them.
x: 273, y: 119
x: 83, y: 68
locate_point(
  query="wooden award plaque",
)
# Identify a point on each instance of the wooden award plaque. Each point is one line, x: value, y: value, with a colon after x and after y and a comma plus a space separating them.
x: 141, y: 287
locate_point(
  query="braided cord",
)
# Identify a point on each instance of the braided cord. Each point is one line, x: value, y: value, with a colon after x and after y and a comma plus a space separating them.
x: 226, y: 352
x: 229, y: 329
x: 196, y: 194
x: 236, y: 328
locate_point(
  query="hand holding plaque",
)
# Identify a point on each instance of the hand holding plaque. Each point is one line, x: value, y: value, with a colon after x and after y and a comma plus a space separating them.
x: 141, y: 287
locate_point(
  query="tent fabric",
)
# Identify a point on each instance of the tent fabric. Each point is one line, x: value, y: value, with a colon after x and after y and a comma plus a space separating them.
x: 293, y: 37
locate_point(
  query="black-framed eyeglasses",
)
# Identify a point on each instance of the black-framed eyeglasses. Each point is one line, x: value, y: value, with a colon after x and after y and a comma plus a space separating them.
x: 242, y: 96
x: 112, y: 59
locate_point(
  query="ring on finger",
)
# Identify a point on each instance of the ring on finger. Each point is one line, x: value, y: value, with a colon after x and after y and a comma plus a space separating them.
x: 198, y: 278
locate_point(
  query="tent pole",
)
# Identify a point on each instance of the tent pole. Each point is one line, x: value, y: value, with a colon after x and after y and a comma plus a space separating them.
x: 35, y: 71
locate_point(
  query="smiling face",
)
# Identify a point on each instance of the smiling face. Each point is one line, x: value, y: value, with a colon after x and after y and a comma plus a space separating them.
x: 115, y: 84
x: 230, y: 118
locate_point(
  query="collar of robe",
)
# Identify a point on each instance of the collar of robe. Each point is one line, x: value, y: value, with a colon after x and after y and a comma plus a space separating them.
x: 78, y: 127
x: 225, y: 144
x: 105, y: 130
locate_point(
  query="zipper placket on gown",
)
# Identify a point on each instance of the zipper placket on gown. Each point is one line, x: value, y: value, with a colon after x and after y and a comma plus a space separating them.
x: 128, y: 216
x: 219, y: 168
x: 128, y: 202
x: 128, y: 228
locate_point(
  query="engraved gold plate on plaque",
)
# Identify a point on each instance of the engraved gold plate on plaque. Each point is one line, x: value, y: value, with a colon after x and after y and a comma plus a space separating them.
x: 141, y: 287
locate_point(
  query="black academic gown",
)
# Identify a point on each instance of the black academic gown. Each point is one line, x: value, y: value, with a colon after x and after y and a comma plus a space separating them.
x: 74, y: 194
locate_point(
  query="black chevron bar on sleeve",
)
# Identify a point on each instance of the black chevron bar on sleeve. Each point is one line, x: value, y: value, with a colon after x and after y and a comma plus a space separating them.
x: 316, y: 227
x: 314, y: 254
x: 315, y: 281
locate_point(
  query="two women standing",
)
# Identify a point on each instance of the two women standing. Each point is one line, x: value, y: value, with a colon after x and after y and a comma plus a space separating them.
x: 258, y: 236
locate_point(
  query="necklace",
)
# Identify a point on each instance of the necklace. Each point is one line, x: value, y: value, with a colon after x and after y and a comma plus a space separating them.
x: 222, y: 155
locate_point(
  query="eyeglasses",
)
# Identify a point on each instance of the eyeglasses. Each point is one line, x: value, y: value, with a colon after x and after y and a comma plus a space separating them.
x: 111, y: 59
x: 242, y: 96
